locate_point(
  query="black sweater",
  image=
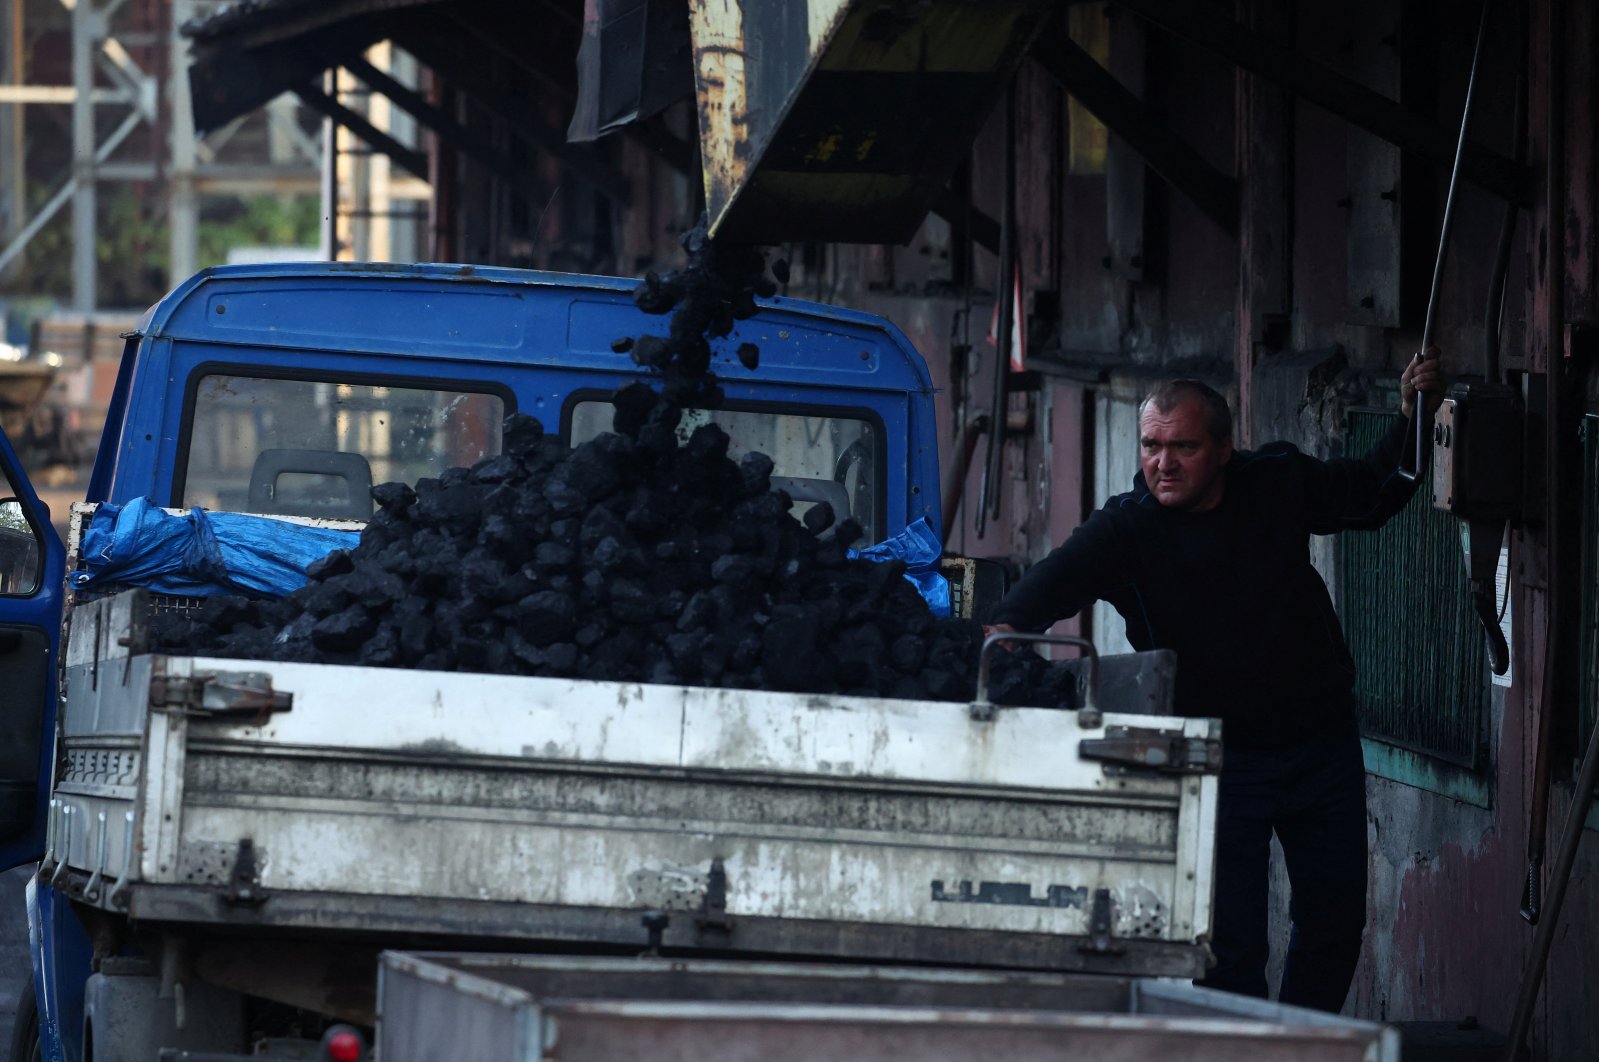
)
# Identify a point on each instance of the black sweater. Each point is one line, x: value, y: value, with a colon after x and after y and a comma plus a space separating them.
x: 1232, y: 589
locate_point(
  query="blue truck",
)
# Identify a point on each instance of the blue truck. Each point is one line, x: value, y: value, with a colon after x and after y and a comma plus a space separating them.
x: 224, y: 847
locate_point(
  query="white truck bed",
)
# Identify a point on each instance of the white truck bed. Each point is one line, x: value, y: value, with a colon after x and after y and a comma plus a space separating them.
x: 523, y: 809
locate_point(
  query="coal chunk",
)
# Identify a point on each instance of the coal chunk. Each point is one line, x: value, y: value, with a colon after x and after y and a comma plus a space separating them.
x: 818, y: 518
x: 521, y: 434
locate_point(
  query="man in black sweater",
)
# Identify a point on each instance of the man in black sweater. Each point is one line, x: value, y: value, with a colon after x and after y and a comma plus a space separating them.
x: 1209, y: 555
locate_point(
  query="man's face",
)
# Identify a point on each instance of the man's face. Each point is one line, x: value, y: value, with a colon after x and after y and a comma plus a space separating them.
x: 1182, y: 463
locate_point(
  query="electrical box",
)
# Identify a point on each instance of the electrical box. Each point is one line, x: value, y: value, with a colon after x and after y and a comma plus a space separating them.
x: 1476, y: 452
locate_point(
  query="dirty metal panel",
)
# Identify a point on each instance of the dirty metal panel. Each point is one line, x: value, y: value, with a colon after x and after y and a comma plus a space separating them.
x: 886, y: 856
x: 842, y: 120
x: 459, y: 922
x: 523, y: 978
x: 1173, y: 998
x: 586, y: 796
x: 427, y: 1000
x: 524, y: 719
x: 1374, y: 169
x: 575, y: 1031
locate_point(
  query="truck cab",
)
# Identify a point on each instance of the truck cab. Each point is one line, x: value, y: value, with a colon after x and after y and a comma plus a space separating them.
x: 225, y: 846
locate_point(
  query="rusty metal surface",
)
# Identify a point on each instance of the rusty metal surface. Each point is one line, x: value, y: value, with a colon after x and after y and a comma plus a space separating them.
x: 494, y: 1007
x: 526, y: 925
x: 842, y: 120
x: 760, y: 823
x: 681, y: 1032
x: 889, y: 829
x: 527, y: 1006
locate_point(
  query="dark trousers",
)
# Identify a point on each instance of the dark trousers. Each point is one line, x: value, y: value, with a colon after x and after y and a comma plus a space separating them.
x: 1313, y: 796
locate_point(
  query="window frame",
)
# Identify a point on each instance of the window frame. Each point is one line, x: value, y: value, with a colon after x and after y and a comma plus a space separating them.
x: 745, y: 405
x: 191, y: 389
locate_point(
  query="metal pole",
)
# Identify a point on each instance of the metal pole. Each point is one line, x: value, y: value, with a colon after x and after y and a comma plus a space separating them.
x: 183, y: 204
x: 359, y: 218
x: 1559, y: 878
x: 14, y: 182
x: 329, y: 248
x: 990, y: 489
x: 85, y: 31
x: 1412, y: 468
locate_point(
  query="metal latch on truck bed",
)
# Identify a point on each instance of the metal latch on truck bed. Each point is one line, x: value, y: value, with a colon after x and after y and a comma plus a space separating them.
x: 1157, y: 750
x: 216, y: 693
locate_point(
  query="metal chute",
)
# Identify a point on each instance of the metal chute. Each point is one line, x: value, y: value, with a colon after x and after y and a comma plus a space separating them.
x: 842, y: 120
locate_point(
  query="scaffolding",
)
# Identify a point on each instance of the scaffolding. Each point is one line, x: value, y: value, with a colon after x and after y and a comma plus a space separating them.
x: 112, y: 95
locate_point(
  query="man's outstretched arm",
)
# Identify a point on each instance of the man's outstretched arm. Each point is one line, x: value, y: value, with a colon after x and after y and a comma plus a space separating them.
x: 1364, y: 492
x: 1076, y: 573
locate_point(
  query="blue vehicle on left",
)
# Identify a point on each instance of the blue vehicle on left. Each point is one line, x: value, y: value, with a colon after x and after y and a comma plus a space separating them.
x: 290, y: 390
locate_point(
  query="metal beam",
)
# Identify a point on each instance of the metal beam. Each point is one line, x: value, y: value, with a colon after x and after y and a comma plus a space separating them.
x: 408, y: 159
x: 20, y: 94
x: 1214, y: 192
x: 183, y: 202
x: 1349, y: 100
x: 66, y: 191
x: 86, y: 30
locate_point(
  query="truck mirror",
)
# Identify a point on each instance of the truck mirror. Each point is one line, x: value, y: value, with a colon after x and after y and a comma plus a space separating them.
x: 19, y: 551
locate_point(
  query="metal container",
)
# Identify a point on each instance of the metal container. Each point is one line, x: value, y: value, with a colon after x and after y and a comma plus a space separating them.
x: 500, y: 1008
x: 843, y: 120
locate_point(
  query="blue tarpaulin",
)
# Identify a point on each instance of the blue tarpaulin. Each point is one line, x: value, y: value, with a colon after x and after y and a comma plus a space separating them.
x: 200, y: 554
x: 920, y: 549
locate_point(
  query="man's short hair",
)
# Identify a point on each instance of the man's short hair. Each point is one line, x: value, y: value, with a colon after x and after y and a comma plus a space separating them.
x: 1166, y: 396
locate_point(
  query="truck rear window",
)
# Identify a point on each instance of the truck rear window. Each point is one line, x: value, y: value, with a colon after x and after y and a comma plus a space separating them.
x: 832, y: 458
x: 315, y: 448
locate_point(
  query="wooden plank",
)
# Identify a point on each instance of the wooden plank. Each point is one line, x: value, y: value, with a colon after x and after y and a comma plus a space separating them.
x: 1265, y: 265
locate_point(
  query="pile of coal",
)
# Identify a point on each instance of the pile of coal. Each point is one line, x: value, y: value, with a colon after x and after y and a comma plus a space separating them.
x: 717, y: 288
x: 634, y: 557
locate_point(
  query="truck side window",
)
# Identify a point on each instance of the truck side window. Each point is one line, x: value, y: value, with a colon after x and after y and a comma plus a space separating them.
x: 19, y: 546
x: 831, y: 458
x: 315, y: 447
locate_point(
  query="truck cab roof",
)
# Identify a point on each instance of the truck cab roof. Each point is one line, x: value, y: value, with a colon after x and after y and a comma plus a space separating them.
x: 515, y: 315
x: 230, y: 364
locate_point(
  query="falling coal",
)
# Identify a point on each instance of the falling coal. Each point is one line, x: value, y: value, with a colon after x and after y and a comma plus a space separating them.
x: 643, y: 555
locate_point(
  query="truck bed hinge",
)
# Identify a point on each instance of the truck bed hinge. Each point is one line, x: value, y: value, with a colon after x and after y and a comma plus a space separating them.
x: 1100, y: 926
x: 1139, y: 748
x: 218, y: 693
x: 713, y: 909
x: 244, y: 882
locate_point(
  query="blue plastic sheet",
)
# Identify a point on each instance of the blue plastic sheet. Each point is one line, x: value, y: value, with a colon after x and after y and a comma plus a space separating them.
x: 200, y: 554
x: 920, y: 549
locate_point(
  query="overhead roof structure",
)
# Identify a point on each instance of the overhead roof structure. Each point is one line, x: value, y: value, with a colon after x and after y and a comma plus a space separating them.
x: 251, y: 52
x: 254, y: 50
